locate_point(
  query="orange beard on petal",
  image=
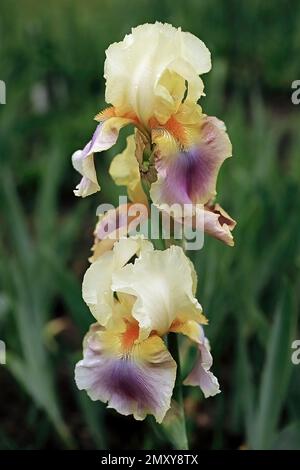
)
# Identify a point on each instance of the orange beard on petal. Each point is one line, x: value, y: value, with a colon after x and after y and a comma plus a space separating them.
x: 130, y: 335
x: 174, y: 127
x: 111, y: 111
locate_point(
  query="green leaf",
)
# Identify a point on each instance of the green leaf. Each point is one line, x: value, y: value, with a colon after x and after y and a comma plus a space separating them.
x: 70, y: 290
x: 174, y: 423
x: 276, y: 373
x: 37, y: 384
x: 288, y: 438
x: 15, y: 219
x: 93, y: 413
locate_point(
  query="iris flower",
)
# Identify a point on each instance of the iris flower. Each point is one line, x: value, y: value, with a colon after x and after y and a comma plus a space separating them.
x: 137, y: 295
x: 153, y: 83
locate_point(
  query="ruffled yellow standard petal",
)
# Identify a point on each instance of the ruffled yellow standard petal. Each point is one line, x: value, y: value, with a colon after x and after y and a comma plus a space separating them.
x: 133, y: 377
x: 148, y: 71
x: 97, y: 282
x: 124, y: 170
x: 163, y: 283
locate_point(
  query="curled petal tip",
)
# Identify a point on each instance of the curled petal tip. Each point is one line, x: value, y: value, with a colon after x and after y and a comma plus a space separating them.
x: 104, y: 137
x: 200, y: 375
x: 218, y: 223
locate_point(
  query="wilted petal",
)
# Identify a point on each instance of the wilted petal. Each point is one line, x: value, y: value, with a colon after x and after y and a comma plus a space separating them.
x: 138, y: 380
x: 115, y: 224
x: 209, y: 218
x: 124, y: 170
x: 97, y: 282
x: 163, y: 283
x: 218, y: 223
x: 146, y: 72
x: 190, y: 176
x: 200, y: 375
x: 105, y: 136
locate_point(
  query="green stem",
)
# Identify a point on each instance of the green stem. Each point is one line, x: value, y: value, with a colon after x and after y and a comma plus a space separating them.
x: 177, y: 393
x: 175, y: 423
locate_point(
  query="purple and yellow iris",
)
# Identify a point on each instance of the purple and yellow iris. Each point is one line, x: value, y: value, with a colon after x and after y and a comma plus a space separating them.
x: 138, y: 294
x: 136, y: 303
x: 153, y: 83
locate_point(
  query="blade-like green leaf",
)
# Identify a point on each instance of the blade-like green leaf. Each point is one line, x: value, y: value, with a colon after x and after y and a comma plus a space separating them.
x: 288, y: 438
x: 276, y: 372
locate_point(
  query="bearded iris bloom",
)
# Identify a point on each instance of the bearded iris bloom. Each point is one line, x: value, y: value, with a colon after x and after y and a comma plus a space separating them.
x: 153, y: 83
x: 138, y: 295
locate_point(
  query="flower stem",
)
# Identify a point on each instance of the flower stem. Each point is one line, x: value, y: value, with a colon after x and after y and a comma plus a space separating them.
x: 177, y: 394
x: 175, y: 422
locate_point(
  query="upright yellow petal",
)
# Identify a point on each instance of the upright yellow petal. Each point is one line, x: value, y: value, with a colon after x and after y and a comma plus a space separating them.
x: 124, y: 170
x: 146, y: 72
x: 97, y: 282
x: 163, y: 283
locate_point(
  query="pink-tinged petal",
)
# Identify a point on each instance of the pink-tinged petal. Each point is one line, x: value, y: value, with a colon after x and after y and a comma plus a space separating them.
x: 191, y: 175
x: 218, y: 223
x: 139, y: 381
x: 198, y: 218
x: 85, y: 166
x: 115, y: 224
x: 104, y: 137
x: 200, y: 376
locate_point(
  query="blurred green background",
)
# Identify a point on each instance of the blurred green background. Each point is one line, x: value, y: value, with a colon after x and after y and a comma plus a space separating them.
x: 52, y: 56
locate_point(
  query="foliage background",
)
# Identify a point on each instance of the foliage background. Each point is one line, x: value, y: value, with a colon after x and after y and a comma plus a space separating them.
x: 52, y: 56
